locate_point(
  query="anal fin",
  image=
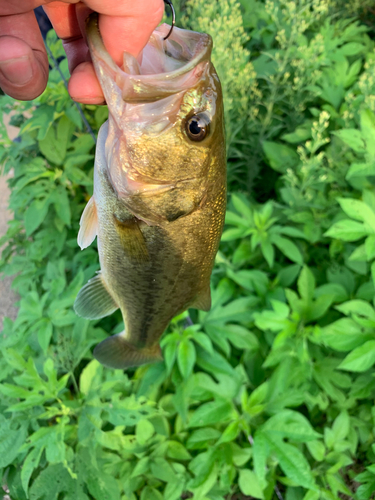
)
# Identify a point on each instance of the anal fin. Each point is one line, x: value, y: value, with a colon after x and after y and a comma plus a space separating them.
x: 117, y: 352
x: 94, y: 301
x: 88, y: 225
x: 203, y: 301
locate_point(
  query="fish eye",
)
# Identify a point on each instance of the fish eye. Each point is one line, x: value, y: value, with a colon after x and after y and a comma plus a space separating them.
x: 197, y: 127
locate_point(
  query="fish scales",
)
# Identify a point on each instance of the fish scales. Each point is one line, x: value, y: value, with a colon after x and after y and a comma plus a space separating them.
x: 159, y: 190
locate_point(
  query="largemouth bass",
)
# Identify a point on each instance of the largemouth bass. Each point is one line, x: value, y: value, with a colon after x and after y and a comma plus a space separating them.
x: 159, y: 190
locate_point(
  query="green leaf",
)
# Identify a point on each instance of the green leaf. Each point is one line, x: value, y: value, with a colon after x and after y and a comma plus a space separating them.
x: 317, y: 449
x: 144, y: 431
x: 234, y: 234
x: 170, y: 354
x: 149, y: 493
x: 343, y: 335
x: 62, y: 205
x: 280, y: 157
x: 368, y: 130
x: 292, y: 425
x: 30, y: 464
x: 352, y: 48
x: 360, y: 170
x: 142, y: 467
x: 202, y: 437
x: 55, y: 448
x: 360, y: 307
x: 237, y: 310
x: 240, y: 455
x: 353, y: 138
x: 211, y: 413
x: 42, y: 119
x: 10, y: 442
x: 177, y: 451
x: 249, y: 484
x: 334, y: 290
x: 35, y: 214
x: 300, y: 134
x: 369, y: 247
x: 347, y: 230
x: 268, y: 251
x: 162, y: 470
x: 242, y: 205
x: 361, y: 359
x: 293, y: 463
x: 261, y: 452
x: 44, y: 328
x: 341, y: 426
x: 174, y: 490
x: 288, y: 274
x: 55, y: 479
x: 306, y: 284
x: 55, y: 143
x: 214, y: 363
x: 88, y: 374
x: 204, y: 341
x: 358, y: 210
x: 230, y: 433
x: 186, y: 357
x: 288, y: 248
x: 359, y: 254
x: 273, y: 320
x: 73, y: 114
x: 242, y: 338
x: 250, y: 280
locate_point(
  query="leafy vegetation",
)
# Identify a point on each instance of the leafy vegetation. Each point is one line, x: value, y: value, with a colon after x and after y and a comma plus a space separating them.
x: 270, y: 394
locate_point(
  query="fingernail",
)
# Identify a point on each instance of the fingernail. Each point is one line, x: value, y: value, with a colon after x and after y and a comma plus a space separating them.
x: 17, y: 71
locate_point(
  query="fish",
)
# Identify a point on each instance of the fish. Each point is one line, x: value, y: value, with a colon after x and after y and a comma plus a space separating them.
x: 159, y: 197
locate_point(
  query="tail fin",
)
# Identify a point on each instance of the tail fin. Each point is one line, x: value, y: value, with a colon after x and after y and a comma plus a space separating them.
x: 117, y: 352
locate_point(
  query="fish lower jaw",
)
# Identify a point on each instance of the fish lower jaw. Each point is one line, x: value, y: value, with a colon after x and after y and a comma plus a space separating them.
x: 134, y: 184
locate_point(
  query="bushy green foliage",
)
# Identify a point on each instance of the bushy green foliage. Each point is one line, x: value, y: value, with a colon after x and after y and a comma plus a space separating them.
x: 270, y: 394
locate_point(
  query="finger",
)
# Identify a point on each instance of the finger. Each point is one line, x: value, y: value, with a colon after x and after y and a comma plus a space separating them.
x: 83, y: 85
x: 69, y: 23
x: 64, y: 21
x: 23, y: 59
x: 124, y: 26
x: 129, y: 33
x: 131, y: 29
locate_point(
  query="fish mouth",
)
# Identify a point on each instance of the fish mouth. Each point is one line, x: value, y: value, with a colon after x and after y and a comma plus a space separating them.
x: 167, y: 67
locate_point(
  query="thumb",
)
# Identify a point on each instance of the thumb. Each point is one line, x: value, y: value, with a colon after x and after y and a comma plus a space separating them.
x: 23, y: 60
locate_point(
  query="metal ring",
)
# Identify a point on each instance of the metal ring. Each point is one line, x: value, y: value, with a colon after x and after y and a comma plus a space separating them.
x: 168, y: 2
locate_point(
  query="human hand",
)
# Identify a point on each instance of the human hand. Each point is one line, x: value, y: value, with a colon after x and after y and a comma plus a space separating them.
x: 125, y: 25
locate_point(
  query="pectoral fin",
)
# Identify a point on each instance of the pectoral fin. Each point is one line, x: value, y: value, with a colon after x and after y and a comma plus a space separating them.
x: 117, y: 352
x: 132, y: 239
x: 203, y: 301
x: 88, y: 225
x: 94, y: 301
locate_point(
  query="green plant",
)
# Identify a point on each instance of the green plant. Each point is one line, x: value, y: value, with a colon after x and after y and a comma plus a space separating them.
x: 268, y: 395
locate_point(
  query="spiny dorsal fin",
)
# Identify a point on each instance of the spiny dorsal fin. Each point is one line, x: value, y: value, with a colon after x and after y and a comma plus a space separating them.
x: 88, y: 225
x: 94, y: 301
x: 132, y: 239
x: 203, y: 301
x: 117, y: 352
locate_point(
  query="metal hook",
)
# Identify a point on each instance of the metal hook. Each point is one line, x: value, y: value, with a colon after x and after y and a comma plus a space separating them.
x: 168, y: 2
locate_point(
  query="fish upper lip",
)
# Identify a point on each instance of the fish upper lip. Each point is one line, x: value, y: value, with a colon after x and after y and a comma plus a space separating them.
x: 195, y: 49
